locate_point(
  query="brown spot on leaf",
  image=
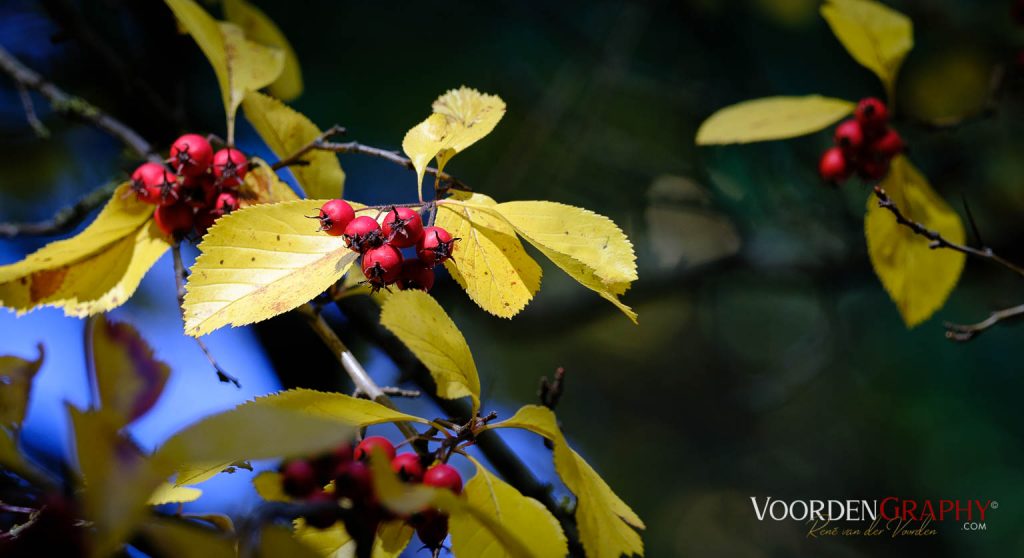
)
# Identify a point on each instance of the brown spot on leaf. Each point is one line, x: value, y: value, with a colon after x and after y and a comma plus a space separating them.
x: 45, y: 283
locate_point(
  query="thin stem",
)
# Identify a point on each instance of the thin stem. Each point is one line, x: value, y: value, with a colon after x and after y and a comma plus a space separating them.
x: 30, y: 113
x: 939, y: 241
x: 179, y: 280
x: 966, y: 332
x: 65, y: 219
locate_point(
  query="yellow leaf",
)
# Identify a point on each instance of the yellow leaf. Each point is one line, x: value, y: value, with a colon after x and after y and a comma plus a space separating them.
x: 332, y: 542
x: 16, y: 377
x: 268, y: 486
x: 489, y: 261
x: 278, y: 542
x: 168, y: 493
x: 197, y: 473
x: 336, y: 406
x: 240, y: 65
x: 262, y: 185
x: 461, y: 117
x: 183, y: 540
x: 515, y: 512
x: 94, y: 271
x: 876, y: 36
x: 606, y: 524
x: 392, y: 538
x: 11, y: 457
x: 261, y: 261
x: 286, y: 131
x: 420, y: 322
x: 260, y: 28
x: 129, y: 378
x: 771, y: 118
x: 917, y: 278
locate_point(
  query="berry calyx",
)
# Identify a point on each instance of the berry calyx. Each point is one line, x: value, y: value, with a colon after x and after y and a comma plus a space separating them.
x: 323, y: 518
x: 833, y: 166
x: 298, y: 478
x: 408, y: 467
x: 334, y: 216
x: 175, y: 220
x: 382, y: 266
x: 436, y: 246
x: 191, y: 155
x: 230, y: 167
x: 849, y: 136
x: 402, y: 227
x: 146, y: 180
x: 416, y: 275
x: 888, y: 145
x: 444, y: 476
x: 872, y: 114
x: 363, y: 233
x: 370, y: 444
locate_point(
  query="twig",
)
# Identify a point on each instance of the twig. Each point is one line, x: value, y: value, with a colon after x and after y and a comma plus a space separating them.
x: 551, y: 390
x: 939, y: 241
x: 179, y: 280
x: 966, y: 332
x: 30, y: 113
x: 392, y: 392
x: 65, y: 219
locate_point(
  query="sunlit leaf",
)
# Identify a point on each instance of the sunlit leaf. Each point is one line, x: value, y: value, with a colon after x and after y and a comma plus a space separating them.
x: 262, y: 185
x: 489, y: 261
x: 129, y: 378
x: 876, y: 36
x: 772, y: 118
x: 16, y: 375
x: 183, y: 540
x: 917, y: 277
x: 268, y: 485
x: 524, y: 517
x: 285, y: 131
x: 335, y: 406
x: 607, y: 525
x: 168, y: 493
x: 423, y: 326
x: 332, y: 542
x: 260, y: 28
x: 94, y: 271
x: 240, y: 65
x: 261, y: 261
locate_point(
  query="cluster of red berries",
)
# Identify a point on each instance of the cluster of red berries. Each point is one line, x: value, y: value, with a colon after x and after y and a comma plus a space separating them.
x: 195, y: 188
x: 347, y: 467
x: 381, y: 244
x: 865, y: 144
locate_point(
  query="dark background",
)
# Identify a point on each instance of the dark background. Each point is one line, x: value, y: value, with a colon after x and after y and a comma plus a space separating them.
x: 768, y: 361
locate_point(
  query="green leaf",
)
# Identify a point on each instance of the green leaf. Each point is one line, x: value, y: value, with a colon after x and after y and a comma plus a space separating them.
x: 240, y: 65
x: 420, y: 322
x: 521, y: 516
x: 260, y: 28
x: 772, y: 118
x: 489, y: 261
x: 285, y: 131
x: 184, y: 540
x: 918, y: 278
x: 128, y: 377
x: 261, y: 261
x: 94, y: 271
x: 168, y: 493
x: 16, y: 375
x: 606, y: 523
x: 876, y: 36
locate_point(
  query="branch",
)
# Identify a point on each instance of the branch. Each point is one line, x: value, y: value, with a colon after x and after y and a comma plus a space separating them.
x: 65, y: 219
x: 939, y: 241
x: 966, y: 332
x: 551, y: 390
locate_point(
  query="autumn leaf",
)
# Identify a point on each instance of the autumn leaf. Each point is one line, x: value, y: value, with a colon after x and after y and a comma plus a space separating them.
x: 285, y: 131
x: 260, y: 28
x: 918, y: 278
x: 607, y: 525
x: 262, y: 185
x: 261, y: 261
x: 278, y: 542
x: 168, y: 493
x: 423, y: 326
x: 183, y: 540
x: 772, y: 118
x: 270, y: 486
x: 128, y: 377
x: 334, y: 542
x: 94, y: 271
x: 876, y: 36
x: 489, y: 262
x: 16, y: 375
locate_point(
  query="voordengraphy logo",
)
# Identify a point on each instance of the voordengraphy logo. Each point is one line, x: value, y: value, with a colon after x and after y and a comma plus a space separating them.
x: 891, y: 515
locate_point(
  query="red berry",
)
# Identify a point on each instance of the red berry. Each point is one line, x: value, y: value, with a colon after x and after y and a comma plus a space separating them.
x: 175, y: 220
x: 416, y: 275
x: 873, y: 168
x: 230, y: 166
x: 191, y: 155
x: 343, y: 453
x: 353, y: 480
x: 382, y: 266
x: 436, y: 246
x: 226, y: 203
x: 833, y: 166
x: 888, y: 144
x: 432, y: 529
x: 322, y: 519
x: 872, y: 115
x: 204, y: 219
x: 146, y: 181
x: 443, y: 475
x: 402, y: 227
x: 363, y: 233
x: 366, y: 448
x: 298, y: 479
x: 408, y: 467
x: 334, y: 216
x: 849, y: 136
